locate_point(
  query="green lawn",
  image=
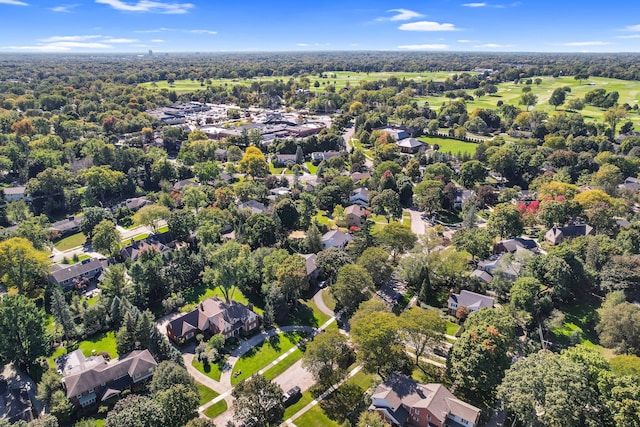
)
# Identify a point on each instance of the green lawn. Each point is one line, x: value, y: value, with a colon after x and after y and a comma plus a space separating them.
x: 452, y: 328
x: 216, y: 409
x: 263, y: 354
x: 80, y: 258
x: 194, y: 295
x: 274, y: 170
x: 213, y: 371
x: 305, y: 399
x: 580, y: 317
x: 323, y: 218
x: 328, y: 300
x: 283, y: 365
x: 320, y: 316
x: 206, y: 394
x: 312, y: 169
x: 104, y: 342
x: 449, y: 145
x: 163, y: 229
x: 315, y: 417
x: 70, y: 242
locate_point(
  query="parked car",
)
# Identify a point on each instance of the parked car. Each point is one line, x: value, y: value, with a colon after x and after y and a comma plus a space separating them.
x: 291, y: 396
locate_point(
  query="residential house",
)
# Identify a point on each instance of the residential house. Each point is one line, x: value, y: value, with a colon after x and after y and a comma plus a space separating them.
x: 67, y: 226
x: 66, y: 276
x: 355, y: 215
x: 285, y: 160
x: 255, y: 206
x: 460, y: 197
x: 312, y: 270
x: 17, y: 393
x: 280, y: 191
x: 11, y: 194
x: 181, y: 185
x: 411, y: 146
x: 517, y: 244
x: 630, y: 184
x: 161, y: 242
x: 402, y: 401
x: 336, y: 239
x: 221, y: 154
x: 359, y: 176
x: 557, y: 235
x: 481, y: 275
x: 397, y: 132
x: 471, y: 300
x: 360, y: 196
x: 214, y: 317
x: 89, y: 380
x: 318, y: 156
x: 135, y: 204
x: 508, y: 266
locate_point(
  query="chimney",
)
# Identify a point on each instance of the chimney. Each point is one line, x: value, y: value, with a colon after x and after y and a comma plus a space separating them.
x: 201, y: 307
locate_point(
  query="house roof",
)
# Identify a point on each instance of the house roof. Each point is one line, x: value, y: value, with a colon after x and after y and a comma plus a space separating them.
x: 162, y: 242
x: 518, y: 243
x: 97, y: 371
x: 481, y: 275
x: 357, y: 176
x: 355, y: 210
x: 337, y: 237
x: 255, y: 206
x: 402, y: 391
x: 410, y: 143
x: 572, y: 230
x: 208, y: 312
x: 184, y: 183
x: 364, y: 192
x: 472, y: 300
x: 15, y: 190
x: 310, y: 260
x: 66, y: 224
x: 65, y: 272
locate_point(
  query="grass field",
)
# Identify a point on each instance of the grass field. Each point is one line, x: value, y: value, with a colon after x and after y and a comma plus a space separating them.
x: 328, y: 300
x: 104, y: 342
x: 305, y: 399
x: 283, y: 365
x: 452, y: 328
x: 263, y: 354
x: 216, y: 409
x: 206, y: 394
x: 213, y: 371
x: 453, y: 146
x: 69, y: 242
x: 196, y: 294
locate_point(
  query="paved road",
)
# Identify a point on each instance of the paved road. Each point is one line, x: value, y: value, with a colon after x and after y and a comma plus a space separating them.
x: 296, y: 375
x: 417, y: 224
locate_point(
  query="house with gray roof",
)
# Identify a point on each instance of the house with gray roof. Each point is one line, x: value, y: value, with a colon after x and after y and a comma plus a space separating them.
x: 310, y: 263
x: 360, y: 196
x: 66, y: 276
x: 255, y: 206
x: 11, y: 194
x: 67, y: 226
x: 411, y: 146
x: 89, y: 380
x: 336, y: 239
x: 557, y: 235
x: 471, y: 300
x: 402, y: 401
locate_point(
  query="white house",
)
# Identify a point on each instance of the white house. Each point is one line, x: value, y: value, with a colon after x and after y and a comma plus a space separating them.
x: 471, y: 300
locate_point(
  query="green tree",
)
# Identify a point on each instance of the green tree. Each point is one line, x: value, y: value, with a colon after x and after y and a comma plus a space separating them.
x: 292, y: 278
x: 181, y: 224
x: 194, y: 198
x: 21, y: 265
x: 62, y: 314
x: 287, y: 213
x: 254, y: 163
x: 259, y: 399
x: 327, y: 357
x: 230, y: 266
x: 18, y: 211
x: 313, y: 240
x: 102, y: 182
x: 546, y: 389
x: 619, y: 326
x: 528, y: 100
x: 151, y: 216
x: 613, y: 116
x: 504, y: 221
x: 398, y: 238
x: 136, y: 411
x: 330, y: 260
x: 427, y: 196
x: 91, y: 217
x: 260, y: 230
x: 476, y: 241
x: 24, y: 336
x: 471, y: 173
x: 387, y: 204
x: 371, y: 333
x: 422, y: 329
x: 353, y: 286
x: 525, y: 293
x: 106, y: 239
x: 179, y: 403
x: 376, y: 261
x: 557, y: 97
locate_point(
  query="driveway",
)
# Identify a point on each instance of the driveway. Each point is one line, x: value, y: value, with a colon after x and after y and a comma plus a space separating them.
x: 317, y: 299
x: 417, y: 224
x: 296, y: 375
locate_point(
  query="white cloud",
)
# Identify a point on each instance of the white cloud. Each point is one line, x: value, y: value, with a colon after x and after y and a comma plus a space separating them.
x: 427, y: 26
x: 61, y: 46
x: 157, y: 41
x: 400, y: 15
x: 148, y: 6
x: 302, y: 44
x: 467, y: 41
x: 14, y: 2
x: 64, y: 8
x: 70, y: 38
x: 119, y: 40
x: 632, y: 28
x: 38, y: 48
x: 474, y: 5
x: 494, y: 45
x: 177, y: 30
x: 84, y: 45
x: 588, y: 43
x: 424, y: 46
x: 630, y: 36
x: 213, y: 33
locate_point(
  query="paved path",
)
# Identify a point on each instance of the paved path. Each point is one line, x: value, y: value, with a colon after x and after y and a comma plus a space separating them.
x: 417, y: 224
x: 314, y: 402
x: 317, y: 298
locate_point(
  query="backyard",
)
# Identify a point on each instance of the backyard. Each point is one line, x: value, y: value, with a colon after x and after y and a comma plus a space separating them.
x: 70, y: 242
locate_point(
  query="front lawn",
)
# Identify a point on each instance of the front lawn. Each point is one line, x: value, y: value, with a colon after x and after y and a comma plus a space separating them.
x: 452, y: 328
x: 315, y: 417
x: 70, y: 242
x: 263, y: 354
x: 579, y: 323
x: 206, y: 394
x: 312, y: 169
x: 305, y: 399
x: 450, y: 145
x: 213, y: 371
x: 216, y: 409
x: 194, y: 295
x: 283, y: 365
x: 328, y: 300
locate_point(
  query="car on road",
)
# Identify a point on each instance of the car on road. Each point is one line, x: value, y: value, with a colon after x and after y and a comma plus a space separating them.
x: 322, y: 284
x: 291, y: 396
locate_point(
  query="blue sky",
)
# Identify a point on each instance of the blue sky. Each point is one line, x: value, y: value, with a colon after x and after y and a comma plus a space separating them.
x: 69, y: 26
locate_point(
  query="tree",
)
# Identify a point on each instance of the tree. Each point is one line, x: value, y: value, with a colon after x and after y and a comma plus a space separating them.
x: 330, y: 260
x: 206, y: 171
x: 259, y: 399
x: 479, y: 357
x: 254, y: 163
x: 387, y: 204
x: 102, y: 182
x: 398, y: 238
x: 194, y: 198
x: 376, y: 261
x: 427, y: 196
x: 557, y: 97
x: 505, y: 221
x: 151, y: 216
x: 299, y: 155
x: 525, y: 293
x: 229, y: 267
x: 136, y: 411
x: 422, y: 329
x: 575, y: 104
x: 613, y: 116
x: 371, y: 333
x: 580, y: 76
x: 91, y: 217
x: 472, y: 172
x: 35, y: 229
x: 476, y: 241
x: 18, y: 211
x: 327, y: 357
x: 179, y: 403
x: 546, y: 389
x: 23, y: 326
x: 62, y: 314
x: 287, y: 213
x: 619, y: 326
x: 260, y: 230
x: 371, y: 419
x: 181, y: 224
x: 168, y: 374
x: 106, y: 239
x: 21, y: 265
x: 528, y: 100
x: 353, y: 285
x: 313, y: 240
x: 292, y: 278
